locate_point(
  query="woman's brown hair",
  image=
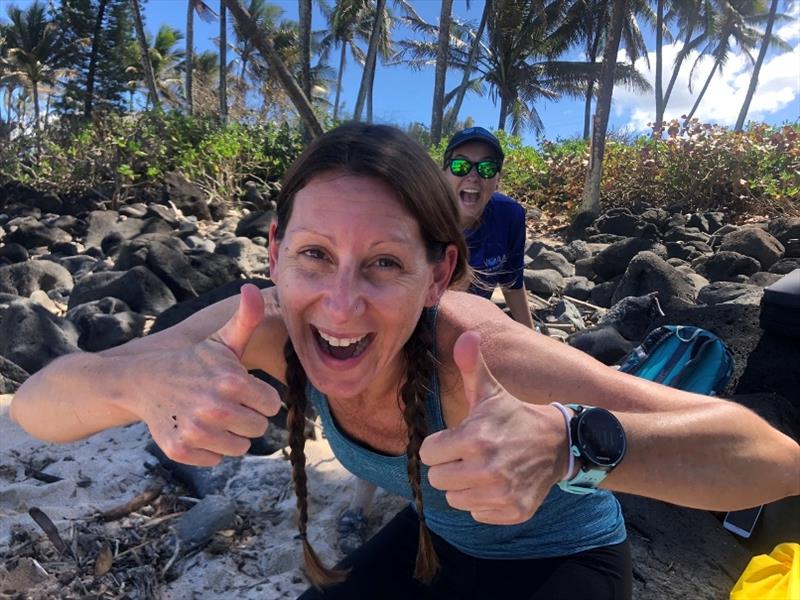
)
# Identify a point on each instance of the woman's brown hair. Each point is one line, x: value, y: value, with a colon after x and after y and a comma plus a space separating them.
x: 387, y: 153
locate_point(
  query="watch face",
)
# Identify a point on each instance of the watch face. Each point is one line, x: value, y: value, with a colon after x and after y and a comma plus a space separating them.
x: 601, y: 437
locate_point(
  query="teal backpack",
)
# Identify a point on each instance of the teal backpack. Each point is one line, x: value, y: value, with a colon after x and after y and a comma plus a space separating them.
x: 684, y: 357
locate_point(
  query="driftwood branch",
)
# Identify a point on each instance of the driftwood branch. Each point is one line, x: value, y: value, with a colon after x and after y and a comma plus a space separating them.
x: 143, y: 499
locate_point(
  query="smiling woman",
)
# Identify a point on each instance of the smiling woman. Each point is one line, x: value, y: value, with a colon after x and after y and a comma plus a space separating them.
x: 431, y: 393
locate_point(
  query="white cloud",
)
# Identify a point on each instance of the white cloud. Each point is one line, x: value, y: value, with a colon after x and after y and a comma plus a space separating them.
x: 778, y: 87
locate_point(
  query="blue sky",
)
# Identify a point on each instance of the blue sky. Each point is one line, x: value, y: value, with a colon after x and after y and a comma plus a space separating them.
x: 403, y: 96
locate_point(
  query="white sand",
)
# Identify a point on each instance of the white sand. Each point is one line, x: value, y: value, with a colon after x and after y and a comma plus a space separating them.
x: 111, y: 469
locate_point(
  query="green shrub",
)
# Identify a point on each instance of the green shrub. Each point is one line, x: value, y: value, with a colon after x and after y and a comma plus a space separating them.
x: 117, y: 155
x: 699, y: 167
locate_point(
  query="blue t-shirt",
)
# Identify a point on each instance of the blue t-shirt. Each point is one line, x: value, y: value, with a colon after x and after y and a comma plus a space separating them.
x: 497, y: 246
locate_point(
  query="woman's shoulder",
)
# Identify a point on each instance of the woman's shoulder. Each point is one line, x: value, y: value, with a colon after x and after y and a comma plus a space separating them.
x: 460, y: 312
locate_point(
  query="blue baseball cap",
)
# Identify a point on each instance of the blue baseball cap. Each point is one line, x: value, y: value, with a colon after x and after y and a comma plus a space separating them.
x: 475, y: 134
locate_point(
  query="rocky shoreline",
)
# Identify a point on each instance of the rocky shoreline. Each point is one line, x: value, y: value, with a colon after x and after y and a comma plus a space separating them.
x: 76, y: 275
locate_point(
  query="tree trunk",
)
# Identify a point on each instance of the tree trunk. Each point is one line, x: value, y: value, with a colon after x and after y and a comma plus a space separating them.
x: 263, y: 42
x: 659, y: 68
x: 703, y: 91
x: 47, y: 110
x: 762, y: 52
x: 370, y: 96
x: 591, y: 187
x: 223, y: 63
x: 372, y: 55
x: 147, y: 66
x: 339, y: 81
x: 35, y: 104
x: 304, y: 11
x: 678, y: 62
x: 587, y: 110
x: 592, y: 56
x: 501, y: 122
x: 98, y: 29
x: 473, y: 54
x: 441, y: 71
x: 189, y: 55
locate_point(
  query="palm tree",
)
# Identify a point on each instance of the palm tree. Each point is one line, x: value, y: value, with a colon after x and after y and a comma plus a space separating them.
x: 380, y: 42
x: 694, y: 18
x: 33, y: 49
x: 205, y: 68
x: 348, y: 21
x: 205, y: 12
x: 262, y: 40
x: 519, y: 60
x: 441, y: 70
x: 590, y: 17
x: 304, y: 12
x: 591, y: 187
x: 98, y: 28
x: 167, y: 63
x: 264, y: 16
x: 147, y: 67
x: 372, y: 54
x: 762, y: 52
x: 452, y: 116
x: 167, y: 60
x: 736, y: 24
x: 223, y: 62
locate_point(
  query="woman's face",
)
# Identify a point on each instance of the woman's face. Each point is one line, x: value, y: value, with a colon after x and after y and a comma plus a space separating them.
x: 472, y: 191
x: 352, y: 278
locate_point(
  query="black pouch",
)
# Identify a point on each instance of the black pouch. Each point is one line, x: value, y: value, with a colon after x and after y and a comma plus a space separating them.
x: 780, y: 306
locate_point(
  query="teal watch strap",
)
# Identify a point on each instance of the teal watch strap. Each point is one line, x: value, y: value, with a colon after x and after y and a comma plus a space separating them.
x: 586, y: 479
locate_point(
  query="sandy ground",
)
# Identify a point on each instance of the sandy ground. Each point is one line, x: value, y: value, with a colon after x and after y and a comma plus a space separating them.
x: 263, y: 560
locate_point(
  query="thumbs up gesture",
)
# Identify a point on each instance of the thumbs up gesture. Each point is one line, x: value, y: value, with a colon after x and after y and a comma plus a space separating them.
x: 200, y: 403
x: 500, y: 462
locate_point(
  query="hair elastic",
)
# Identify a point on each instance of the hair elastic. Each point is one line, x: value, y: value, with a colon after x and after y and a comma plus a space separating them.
x: 566, y: 414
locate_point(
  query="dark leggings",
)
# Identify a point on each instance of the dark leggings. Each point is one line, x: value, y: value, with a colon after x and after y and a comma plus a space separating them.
x: 383, y: 568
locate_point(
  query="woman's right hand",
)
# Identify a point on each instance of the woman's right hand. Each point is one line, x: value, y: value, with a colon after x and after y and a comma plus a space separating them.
x: 200, y: 403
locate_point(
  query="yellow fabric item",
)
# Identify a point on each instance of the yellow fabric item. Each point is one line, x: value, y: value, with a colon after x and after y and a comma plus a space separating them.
x: 773, y: 576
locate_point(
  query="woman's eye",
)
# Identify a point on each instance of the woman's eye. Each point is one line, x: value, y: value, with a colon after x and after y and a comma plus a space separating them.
x: 314, y: 253
x: 387, y: 263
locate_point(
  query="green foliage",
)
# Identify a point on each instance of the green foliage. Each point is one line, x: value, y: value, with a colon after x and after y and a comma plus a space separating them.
x: 702, y: 167
x: 114, y: 155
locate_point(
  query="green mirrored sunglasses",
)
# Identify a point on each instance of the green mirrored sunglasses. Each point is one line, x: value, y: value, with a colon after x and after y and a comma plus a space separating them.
x: 486, y: 169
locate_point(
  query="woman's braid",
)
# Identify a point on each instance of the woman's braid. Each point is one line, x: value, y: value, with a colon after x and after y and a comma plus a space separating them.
x: 421, y: 365
x: 319, y: 574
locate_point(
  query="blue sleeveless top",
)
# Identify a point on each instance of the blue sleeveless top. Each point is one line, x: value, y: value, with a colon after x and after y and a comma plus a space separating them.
x: 564, y: 523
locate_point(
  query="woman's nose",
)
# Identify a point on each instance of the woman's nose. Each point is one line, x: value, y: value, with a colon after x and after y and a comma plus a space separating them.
x: 344, y: 299
x: 472, y: 175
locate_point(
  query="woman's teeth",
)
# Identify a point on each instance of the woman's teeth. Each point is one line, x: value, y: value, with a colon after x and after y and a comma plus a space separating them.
x: 343, y: 348
x: 335, y: 341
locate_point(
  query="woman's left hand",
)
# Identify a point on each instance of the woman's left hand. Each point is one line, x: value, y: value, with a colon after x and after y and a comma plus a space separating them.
x: 502, y: 460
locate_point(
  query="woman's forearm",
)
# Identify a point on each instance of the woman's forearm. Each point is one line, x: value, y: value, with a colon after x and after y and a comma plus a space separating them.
x: 716, y: 456
x: 72, y: 398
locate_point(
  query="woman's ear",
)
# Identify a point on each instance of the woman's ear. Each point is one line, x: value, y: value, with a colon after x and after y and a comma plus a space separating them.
x: 442, y: 274
x: 273, y: 247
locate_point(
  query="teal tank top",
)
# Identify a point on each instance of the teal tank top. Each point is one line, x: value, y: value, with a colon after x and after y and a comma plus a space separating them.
x: 564, y: 524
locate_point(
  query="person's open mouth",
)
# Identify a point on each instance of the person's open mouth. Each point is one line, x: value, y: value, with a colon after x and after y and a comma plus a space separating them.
x: 342, y: 348
x: 470, y: 196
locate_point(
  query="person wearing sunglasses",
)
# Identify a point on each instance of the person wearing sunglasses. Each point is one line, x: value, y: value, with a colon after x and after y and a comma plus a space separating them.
x: 493, y: 223
x: 494, y: 228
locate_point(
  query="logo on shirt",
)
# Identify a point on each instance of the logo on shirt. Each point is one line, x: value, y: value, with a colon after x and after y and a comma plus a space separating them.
x: 493, y: 263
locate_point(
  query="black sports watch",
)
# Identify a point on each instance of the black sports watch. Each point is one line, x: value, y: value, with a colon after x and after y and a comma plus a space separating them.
x: 598, y: 440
